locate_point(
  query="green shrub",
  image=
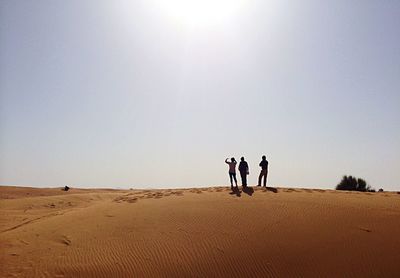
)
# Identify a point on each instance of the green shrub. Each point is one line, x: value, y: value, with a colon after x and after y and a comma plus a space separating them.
x: 351, y: 183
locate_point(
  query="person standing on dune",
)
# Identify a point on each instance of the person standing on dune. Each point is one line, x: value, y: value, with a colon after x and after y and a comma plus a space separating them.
x: 264, y: 171
x: 244, y: 171
x: 232, y: 170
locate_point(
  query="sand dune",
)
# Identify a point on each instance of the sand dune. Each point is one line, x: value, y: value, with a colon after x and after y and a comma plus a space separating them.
x: 203, y: 232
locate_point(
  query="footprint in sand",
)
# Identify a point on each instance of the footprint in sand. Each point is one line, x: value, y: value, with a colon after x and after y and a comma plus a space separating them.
x: 197, y: 191
x: 177, y: 193
x: 65, y: 240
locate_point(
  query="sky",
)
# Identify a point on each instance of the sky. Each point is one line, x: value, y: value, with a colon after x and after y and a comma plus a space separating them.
x: 155, y: 94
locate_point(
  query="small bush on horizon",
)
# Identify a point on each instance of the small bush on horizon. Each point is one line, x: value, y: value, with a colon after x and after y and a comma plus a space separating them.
x: 351, y: 183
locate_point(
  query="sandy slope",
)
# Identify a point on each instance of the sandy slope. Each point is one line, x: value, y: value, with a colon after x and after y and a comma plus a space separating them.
x: 198, y: 233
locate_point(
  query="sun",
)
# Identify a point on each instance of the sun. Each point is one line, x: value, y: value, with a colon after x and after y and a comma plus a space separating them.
x: 200, y: 12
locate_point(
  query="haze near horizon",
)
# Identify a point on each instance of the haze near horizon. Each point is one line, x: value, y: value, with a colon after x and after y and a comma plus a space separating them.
x: 158, y: 93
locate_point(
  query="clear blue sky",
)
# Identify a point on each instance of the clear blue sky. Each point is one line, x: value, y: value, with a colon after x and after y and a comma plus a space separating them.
x: 158, y: 93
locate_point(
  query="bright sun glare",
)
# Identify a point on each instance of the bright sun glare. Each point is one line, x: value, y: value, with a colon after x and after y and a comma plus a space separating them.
x: 200, y: 12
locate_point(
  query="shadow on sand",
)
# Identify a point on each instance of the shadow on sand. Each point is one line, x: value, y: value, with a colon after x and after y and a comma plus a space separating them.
x: 236, y: 191
x: 248, y: 190
x: 272, y: 189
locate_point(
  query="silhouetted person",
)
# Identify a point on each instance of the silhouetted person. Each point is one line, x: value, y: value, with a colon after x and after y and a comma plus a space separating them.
x: 244, y: 171
x: 264, y: 171
x: 232, y: 170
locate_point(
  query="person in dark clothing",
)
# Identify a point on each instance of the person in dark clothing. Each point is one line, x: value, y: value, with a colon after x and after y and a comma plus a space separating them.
x: 264, y: 171
x: 244, y: 171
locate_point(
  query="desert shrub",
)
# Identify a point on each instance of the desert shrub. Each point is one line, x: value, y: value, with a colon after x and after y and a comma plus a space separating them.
x: 354, y: 184
x: 361, y: 185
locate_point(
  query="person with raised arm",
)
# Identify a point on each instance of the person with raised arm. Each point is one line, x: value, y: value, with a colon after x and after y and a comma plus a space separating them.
x: 232, y: 170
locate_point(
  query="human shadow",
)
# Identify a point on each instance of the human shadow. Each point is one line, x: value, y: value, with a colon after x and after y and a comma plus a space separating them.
x: 248, y: 190
x: 272, y: 189
x: 236, y: 191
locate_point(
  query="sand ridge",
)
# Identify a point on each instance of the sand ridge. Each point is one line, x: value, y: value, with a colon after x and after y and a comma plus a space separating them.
x: 197, y: 232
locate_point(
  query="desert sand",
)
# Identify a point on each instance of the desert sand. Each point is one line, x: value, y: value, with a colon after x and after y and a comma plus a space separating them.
x: 203, y: 232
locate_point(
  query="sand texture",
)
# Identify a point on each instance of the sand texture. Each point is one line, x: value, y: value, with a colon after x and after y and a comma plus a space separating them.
x: 205, y: 232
